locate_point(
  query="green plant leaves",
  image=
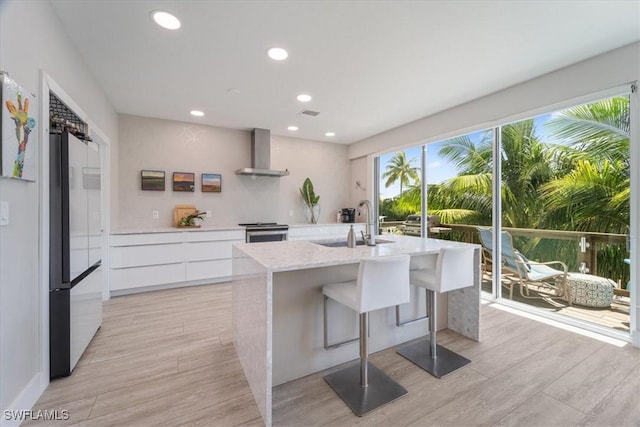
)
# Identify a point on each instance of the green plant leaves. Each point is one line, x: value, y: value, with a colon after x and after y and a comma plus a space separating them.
x: 307, y: 193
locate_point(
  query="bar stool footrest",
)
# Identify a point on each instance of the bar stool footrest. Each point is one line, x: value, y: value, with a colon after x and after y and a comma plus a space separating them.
x: 362, y: 400
x: 446, y: 361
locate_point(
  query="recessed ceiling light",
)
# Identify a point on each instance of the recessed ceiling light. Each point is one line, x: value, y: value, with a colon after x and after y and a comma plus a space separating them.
x: 197, y: 113
x: 304, y: 98
x: 277, y: 53
x: 330, y: 134
x: 165, y: 20
x: 293, y: 128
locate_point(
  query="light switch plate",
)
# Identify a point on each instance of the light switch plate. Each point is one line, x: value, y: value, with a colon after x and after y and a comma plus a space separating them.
x: 4, y: 213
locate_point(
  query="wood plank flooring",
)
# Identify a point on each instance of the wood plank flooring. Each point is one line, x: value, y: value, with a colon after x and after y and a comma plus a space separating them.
x: 616, y: 316
x: 166, y: 358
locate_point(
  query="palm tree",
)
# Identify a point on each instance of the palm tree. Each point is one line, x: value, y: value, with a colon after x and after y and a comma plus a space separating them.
x: 465, y: 198
x: 399, y: 169
x: 594, y: 194
x: 526, y: 166
x: 592, y: 197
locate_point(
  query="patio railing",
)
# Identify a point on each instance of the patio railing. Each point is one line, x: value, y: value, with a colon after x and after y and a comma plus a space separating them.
x: 585, y: 248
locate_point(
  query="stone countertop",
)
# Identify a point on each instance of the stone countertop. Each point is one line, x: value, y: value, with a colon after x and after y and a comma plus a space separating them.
x: 325, y: 224
x: 302, y: 254
x: 213, y: 228
x: 178, y: 230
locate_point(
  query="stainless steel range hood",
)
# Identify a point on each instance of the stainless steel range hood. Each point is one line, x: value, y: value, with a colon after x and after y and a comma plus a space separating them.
x: 261, y: 156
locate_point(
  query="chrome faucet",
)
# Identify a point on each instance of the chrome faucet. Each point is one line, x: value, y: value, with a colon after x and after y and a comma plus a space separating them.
x: 369, y: 238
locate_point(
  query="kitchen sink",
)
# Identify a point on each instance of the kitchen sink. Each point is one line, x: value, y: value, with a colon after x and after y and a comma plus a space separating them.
x: 343, y: 243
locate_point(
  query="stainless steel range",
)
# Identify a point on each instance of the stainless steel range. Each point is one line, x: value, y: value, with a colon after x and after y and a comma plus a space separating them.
x: 266, y: 232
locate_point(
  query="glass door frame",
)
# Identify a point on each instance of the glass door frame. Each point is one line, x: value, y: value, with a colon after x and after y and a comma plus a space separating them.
x: 634, y: 206
x: 629, y: 89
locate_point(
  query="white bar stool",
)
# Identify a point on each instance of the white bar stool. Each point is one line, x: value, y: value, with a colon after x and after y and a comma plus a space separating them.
x: 454, y: 270
x: 382, y: 282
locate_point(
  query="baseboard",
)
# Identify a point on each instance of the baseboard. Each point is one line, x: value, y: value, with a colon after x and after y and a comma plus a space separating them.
x: 130, y: 291
x: 11, y: 416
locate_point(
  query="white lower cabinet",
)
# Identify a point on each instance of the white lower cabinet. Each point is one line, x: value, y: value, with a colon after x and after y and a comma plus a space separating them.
x: 144, y: 255
x: 325, y: 231
x: 150, y: 275
x: 142, y: 260
x: 212, y: 269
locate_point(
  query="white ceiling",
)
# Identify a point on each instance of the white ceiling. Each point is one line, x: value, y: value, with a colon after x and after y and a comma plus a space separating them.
x: 369, y: 65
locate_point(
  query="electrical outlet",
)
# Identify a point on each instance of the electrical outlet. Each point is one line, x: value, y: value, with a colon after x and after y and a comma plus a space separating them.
x: 156, y: 214
x: 208, y: 214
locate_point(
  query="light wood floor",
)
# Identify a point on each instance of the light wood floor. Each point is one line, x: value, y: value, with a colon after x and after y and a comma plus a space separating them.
x: 167, y: 358
x: 616, y: 316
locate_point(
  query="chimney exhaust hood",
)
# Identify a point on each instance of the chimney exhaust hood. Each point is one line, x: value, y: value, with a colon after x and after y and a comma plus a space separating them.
x: 261, y: 156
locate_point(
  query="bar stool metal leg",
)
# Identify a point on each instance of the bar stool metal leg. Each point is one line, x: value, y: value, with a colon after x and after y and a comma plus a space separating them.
x: 362, y: 386
x: 325, y: 321
x: 417, y: 319
x: 364, y: 350
x: 433, y: 310
x: 437, y: 360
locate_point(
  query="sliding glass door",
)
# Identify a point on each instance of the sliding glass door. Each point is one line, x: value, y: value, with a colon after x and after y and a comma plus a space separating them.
x: 556, y: 186
x: 566, y: 203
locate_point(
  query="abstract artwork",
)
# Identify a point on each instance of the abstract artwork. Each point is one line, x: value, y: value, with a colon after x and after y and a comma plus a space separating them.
x: 152, y: 180
x: 211, y: 183
x: 183, y: 181
x: 19, y: 132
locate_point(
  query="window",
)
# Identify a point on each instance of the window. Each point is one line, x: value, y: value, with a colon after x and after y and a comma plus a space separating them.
x: 564, y: 199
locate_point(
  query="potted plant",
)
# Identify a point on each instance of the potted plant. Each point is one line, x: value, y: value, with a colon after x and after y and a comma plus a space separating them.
x: 190, y: 220
x: 312, y: 209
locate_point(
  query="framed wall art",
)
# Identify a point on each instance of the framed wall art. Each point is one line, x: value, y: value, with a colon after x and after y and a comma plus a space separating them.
x: 19, y: 138
x: 211, y: 183
x: 152, y: 180
x: 183, y: 181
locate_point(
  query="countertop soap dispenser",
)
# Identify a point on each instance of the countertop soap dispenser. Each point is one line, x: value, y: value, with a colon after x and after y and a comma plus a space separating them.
x: 351, y: 238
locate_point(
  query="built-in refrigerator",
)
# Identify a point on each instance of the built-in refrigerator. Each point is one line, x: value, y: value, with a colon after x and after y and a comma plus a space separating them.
x: 75, y: 282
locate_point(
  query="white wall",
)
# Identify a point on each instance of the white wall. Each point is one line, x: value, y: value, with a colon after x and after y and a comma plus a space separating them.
x: 598, y: 74
x: 173, y: 146
x: 360, y: 169
x: 33, y: 40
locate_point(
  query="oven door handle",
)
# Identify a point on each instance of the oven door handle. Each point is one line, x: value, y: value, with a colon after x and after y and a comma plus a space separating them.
x: 266, y: 233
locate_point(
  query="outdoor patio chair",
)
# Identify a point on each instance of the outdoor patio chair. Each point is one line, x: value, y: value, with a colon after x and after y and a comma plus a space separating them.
x: 530, y: 275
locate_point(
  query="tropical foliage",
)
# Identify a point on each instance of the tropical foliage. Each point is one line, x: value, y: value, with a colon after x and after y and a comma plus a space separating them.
x: 578, y: 182
x: 399, y: 169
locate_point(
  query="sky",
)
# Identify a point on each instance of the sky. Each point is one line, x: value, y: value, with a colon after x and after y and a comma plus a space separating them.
x: 439, y: 169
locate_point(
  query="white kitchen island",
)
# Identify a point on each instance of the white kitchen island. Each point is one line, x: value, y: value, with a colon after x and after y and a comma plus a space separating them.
x: 277, y: 307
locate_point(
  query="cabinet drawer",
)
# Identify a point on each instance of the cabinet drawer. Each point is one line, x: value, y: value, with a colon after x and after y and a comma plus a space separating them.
x: 201, y: 251
x: 200, y: 270
x: 145, y: 239
x: 132, y: 256
x: 204, y: 236
x: 127, y: 278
